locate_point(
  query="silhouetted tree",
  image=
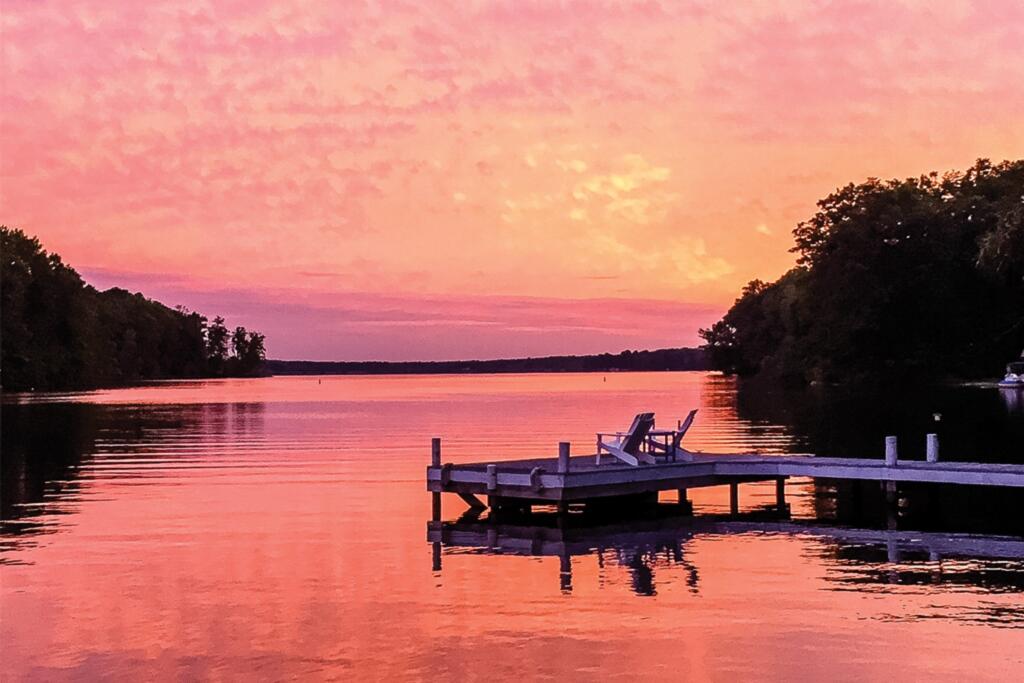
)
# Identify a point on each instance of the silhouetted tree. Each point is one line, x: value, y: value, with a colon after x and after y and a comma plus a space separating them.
x: 239, y: 343
x: 253, y: 354
x: 920, y: 278
x: 216, y: 345
x: 58, y: 332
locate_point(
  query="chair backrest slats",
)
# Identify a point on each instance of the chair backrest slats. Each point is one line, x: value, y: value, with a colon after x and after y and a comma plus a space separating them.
x: 683, y: 427
x: 642, y: 424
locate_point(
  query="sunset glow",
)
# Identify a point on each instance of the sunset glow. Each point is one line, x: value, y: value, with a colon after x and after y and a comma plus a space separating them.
x: 435, y: 180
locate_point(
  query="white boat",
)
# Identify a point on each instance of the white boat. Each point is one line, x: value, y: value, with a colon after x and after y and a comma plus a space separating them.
x: 1014, y: 378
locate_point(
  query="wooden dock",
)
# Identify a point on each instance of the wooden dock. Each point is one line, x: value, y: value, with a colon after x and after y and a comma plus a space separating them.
x: 566, y: 479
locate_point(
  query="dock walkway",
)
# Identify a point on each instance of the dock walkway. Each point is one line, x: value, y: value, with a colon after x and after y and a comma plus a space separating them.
x: 564, y: 479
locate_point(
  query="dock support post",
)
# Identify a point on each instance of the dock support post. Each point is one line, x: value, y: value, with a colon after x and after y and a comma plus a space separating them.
x: 780, y: 495
x: 436, y: 557
x: 734, y: 498
x: 563, y: 457
x: 932, y: 447
x: 891, y: 454
x: 892, y: 552
x: 435, y: 461
x: 492, y: 478
x: 685, y: 504
x: 892, y: 505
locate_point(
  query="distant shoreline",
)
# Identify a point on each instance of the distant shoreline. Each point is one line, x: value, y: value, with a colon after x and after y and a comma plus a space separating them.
x: 627, y: 361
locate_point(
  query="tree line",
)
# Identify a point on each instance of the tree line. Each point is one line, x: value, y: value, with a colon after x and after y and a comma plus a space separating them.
x: 919, y: 279
x: 660, y: 359
x: 57, y: 332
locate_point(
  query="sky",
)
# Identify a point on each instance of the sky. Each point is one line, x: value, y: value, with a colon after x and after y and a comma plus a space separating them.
x: 438, y: 180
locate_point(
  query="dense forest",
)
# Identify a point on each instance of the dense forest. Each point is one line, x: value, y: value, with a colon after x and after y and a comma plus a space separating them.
x: 661, y: 359
x: 901, y: 280
x: 57, y: 332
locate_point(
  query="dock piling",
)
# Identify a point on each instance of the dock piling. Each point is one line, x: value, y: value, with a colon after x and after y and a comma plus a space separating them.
x: 780, y: 495
x: 892, y: 504
x: 492, y: 477
x: 891, y: 454
x: 563, y: 457
x: 932, y: 447
x: 734, y: 498
x: 685, y: 504
x: 435, y: 461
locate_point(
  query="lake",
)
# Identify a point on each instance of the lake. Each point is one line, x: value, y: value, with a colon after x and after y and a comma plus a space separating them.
x: 277, y: 528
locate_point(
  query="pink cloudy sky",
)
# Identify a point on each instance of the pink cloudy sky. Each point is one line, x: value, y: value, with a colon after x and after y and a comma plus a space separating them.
x: 432, y: 180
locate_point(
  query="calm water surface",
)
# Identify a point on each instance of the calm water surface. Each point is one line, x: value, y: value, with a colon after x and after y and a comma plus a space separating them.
x: 276, y: 528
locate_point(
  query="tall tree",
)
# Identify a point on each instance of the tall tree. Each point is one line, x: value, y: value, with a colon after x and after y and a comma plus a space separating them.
x: 921, y: 278
x: 240, y: 343
x: 58, y: 332
x: 217, y: 345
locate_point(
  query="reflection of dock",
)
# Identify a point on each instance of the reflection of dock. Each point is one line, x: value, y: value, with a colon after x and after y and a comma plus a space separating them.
x: 554, y: 541
x: 640, y: 545
x: 635, y: 546
x: 519, y: 484
x: 542, y: 541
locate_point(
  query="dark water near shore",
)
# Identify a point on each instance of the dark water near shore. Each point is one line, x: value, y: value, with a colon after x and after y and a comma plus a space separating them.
x: 277, y: 528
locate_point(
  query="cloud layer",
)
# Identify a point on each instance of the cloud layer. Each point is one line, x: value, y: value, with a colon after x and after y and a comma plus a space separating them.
x: 556, y: 152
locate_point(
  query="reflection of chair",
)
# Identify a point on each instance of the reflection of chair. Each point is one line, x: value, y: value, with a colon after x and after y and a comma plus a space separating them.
x: 626, y: 445
x: 671, y: 449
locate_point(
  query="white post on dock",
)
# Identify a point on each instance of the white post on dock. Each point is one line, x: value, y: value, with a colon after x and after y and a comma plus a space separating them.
x: 890, y: 451
x: 932, y: 447
x: 492, y: 477
x: 435, y: 500
x: 563, y: 457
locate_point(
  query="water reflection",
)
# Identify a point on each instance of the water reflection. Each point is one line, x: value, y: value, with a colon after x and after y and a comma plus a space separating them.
x: 860, y: 560
x: 51, y: 449
x: 640, y: 547
x: 1014, y: 400
x: 978, y: 424
x: 276, y: 525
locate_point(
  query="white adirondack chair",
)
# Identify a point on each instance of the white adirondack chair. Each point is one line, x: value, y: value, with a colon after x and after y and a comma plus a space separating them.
x: 672, y: 449
x: 626, y: 446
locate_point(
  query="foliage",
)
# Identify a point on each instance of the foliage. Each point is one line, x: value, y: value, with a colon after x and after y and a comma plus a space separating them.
x: 916, y: 279
x: 58, y: 332
x: 660, y: 359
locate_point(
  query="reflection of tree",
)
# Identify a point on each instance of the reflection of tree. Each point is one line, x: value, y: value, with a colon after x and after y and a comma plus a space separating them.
x: 43, y: 447
x: 839, y: 422
x: 46, y: 444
